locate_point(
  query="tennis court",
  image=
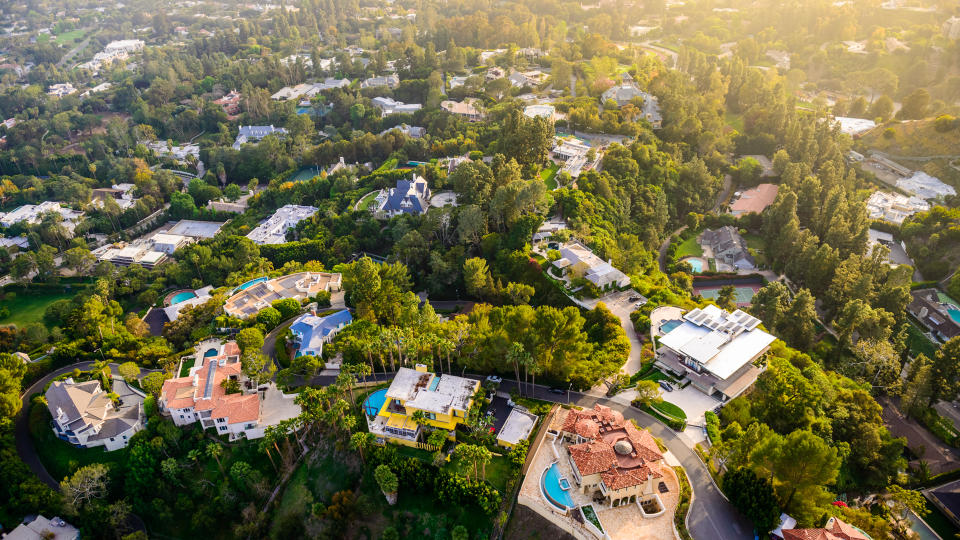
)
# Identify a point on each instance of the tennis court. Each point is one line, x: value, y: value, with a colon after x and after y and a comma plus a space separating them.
x: 304, y: 174
x: 742, y: 295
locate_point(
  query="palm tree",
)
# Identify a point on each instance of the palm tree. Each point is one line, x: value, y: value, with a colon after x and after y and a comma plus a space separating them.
x: 514, y: 355
x: 215, y: 451
x: 420, y: 419
x: 360, y: 441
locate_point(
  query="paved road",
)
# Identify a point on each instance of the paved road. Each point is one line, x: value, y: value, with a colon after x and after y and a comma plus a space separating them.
x: 711, y: 516
x: 662, y: 254
x: 24, y: 442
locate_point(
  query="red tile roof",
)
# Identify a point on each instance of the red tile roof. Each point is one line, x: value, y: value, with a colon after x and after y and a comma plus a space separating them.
x: 622, y: 454
x: 836, y: 529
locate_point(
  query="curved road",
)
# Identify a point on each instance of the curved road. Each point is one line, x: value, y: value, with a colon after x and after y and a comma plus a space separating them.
x: 711, y: 516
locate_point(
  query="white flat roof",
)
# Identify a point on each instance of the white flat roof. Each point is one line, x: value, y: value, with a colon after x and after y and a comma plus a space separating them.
x: 196, y: 229
x: 721, y: 342
x: 518, y: 426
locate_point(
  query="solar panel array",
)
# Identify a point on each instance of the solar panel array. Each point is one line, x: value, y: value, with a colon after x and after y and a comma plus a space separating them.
x: 732, y: 324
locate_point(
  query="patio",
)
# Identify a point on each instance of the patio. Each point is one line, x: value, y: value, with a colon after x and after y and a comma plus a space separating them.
x: 624, y: 522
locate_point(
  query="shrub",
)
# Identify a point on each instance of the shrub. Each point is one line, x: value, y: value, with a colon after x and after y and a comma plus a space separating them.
x: 713, y: 427
x: 944, y: 123
x: 889, y: 133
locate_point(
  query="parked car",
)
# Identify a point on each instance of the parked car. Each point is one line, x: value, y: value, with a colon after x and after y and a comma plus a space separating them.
x: 555, y: 390
x: 634, y: 298
x: 666, y: 386
x: 494, y: 379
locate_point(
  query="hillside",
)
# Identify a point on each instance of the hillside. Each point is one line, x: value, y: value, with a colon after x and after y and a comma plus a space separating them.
x: 917, y: 139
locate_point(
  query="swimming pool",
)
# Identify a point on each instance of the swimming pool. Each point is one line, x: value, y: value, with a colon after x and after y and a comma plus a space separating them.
x: 182, y: 297
x: 211, y: 352
x: 374, y: 402
x: 696, y: 264
x: 553, y: 490
x: 251, y: 283
x: 668, y: 326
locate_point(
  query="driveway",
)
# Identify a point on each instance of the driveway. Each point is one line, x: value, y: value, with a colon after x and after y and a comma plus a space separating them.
x: 938, y: 455
x: 711, y: 516
x: 619, y: 304
x: 694, y: 403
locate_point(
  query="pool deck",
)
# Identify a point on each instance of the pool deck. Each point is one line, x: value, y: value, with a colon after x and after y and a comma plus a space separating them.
x: 168, y: 299
x: 621, y: 523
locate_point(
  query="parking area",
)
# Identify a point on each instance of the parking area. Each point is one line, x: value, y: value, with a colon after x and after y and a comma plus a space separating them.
x: 694, y: 403
x: 444, y: 198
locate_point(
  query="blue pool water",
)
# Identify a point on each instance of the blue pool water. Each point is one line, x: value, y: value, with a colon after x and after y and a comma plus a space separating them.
x: 434, y: 383
x: 667, y: 327
x: 696, y: 264
x: 373, y: 403
x: 210, y: 352
x: 557, y: 496
x: 954, y: 314
x: 251, y: 283
x: 182, y: 297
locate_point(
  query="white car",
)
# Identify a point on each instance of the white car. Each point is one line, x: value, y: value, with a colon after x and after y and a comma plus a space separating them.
x: 494, y: 379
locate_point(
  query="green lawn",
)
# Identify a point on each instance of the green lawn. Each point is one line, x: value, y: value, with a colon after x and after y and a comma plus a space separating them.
x: 70, y: 37
x: 689, y: 248
x: 59, y: 457
x: 919, y: 343
x: 367, y: 200
x: 498, y: 471
x: 29, y: 304
x: 669, y: 409
x: 657, y: 375
x: 549, y: 175
x: 187, y: 364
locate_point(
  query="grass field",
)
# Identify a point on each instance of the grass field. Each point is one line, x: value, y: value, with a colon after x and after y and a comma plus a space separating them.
x: 367, y: 200
x: 70, y: 37
x: 549, y: 176
x: 669, y: 409
x: 29, y: 304
x: 689, y: 248
x: 187, y: 365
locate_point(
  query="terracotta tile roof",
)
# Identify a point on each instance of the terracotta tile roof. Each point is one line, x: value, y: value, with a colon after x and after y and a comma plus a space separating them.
x: 620, y: 478
x: 593, y: 457
x: 836, y: 529
x: 237, y: 408
x: 185, y: 392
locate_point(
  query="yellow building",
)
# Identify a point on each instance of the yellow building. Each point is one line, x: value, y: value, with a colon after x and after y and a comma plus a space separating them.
x: 443, y: 399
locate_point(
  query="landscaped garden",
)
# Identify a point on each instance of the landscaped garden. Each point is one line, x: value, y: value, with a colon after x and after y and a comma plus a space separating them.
x: 549, y: 175
x: 368, y: 199
x: 669, y: 409
x: 689, y: 248
x: 187, y: 364
x: 27, y: 305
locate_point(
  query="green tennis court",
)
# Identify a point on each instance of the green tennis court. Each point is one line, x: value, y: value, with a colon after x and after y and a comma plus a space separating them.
x: 303, y: 174
x: 741, y: 296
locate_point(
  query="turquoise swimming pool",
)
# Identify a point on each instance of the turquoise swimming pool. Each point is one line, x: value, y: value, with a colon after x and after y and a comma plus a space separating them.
x: 374, y: 402
x: 182, y: 297
x: 210, y: 352
x: 669, y: 326
x: 251, y: 283
x: 696, y: 264
x: 551, y: 484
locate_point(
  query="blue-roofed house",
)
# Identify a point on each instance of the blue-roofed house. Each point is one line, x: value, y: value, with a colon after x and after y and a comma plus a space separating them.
x: 409, y: 197
x: 311, y: 331
x: 251, y: 134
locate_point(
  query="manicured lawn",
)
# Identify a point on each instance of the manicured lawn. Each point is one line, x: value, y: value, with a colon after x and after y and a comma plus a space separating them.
x: 187, y: 364
x: 549, y: 175
x: 367, y: 200
x: 657, y: 375
x: 919, y: 343
x: 29, y: 304
x: 712, y: 264
x: 669, y: 409
x: 62, y: 458
x: 689, y: 248
x: 303, y: 174
x: 69, y: 37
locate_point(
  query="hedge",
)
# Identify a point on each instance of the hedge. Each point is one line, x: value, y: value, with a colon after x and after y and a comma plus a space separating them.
x: 713, y: 427
x: 683, y: 505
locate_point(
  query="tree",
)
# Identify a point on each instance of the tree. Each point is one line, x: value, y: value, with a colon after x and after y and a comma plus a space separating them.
x: 945, y: 372
x: 360, y: 441
x: 215, y: 451
x: 459, y: 533
x: 476, y: 277
x: 388, y: 483
x: 804, y: 465
x: 882, y: 108
x: 153, y: 382
x: 268, y: 317
x: 250, y: 339
x: 258, y: 367
x: 129, y: 371
x: 915, y: 105
x: 648, y: 392
x: 753, y: 496
x: 288, y: 307
x: 89, y: 483
x: 232, y: 192
x: 80, y: 260
x: 725, y: 299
